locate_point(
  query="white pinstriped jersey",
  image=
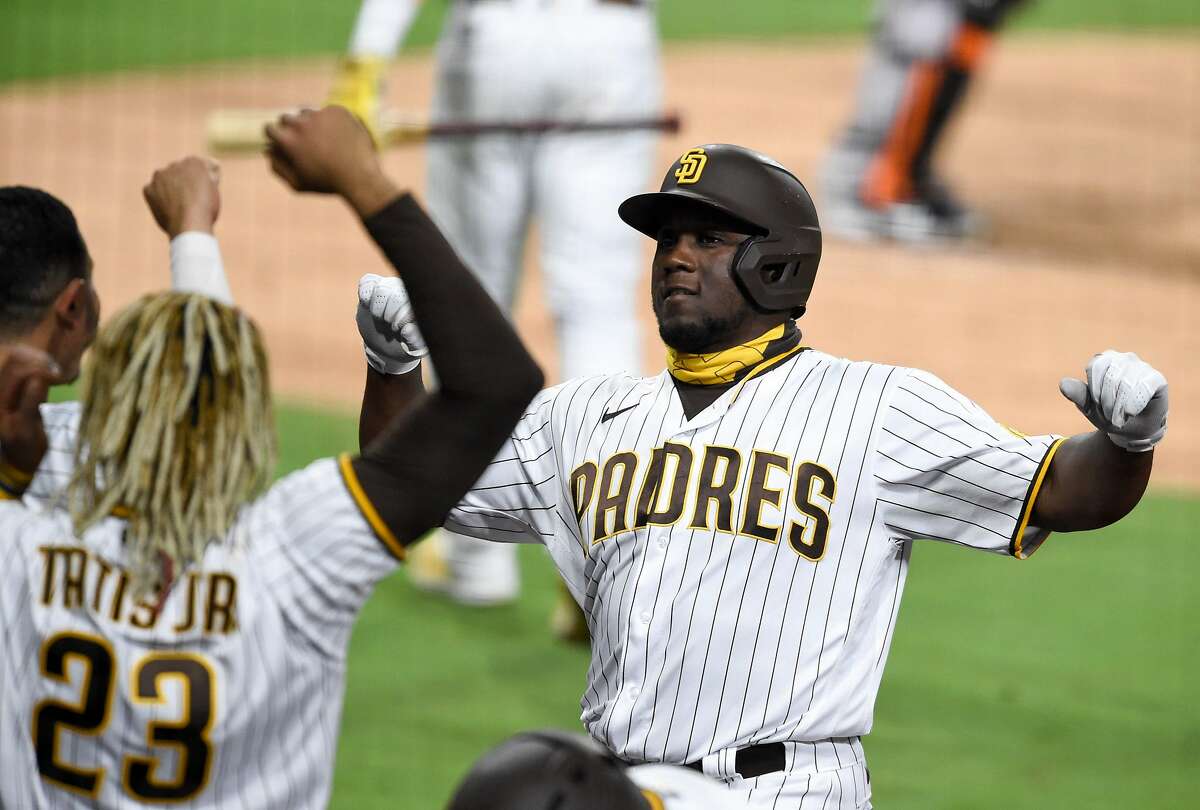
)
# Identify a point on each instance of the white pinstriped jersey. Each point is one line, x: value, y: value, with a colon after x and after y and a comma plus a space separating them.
x: 741, y: 571
x: 229, y: 696
x: 62, y: 427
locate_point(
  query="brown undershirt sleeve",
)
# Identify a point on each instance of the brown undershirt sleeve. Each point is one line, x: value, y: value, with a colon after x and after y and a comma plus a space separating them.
x: 431, y: 453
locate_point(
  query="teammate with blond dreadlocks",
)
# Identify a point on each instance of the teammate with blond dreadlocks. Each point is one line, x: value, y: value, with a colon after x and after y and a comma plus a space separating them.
x: 176, y: 428
x: 187, y: 642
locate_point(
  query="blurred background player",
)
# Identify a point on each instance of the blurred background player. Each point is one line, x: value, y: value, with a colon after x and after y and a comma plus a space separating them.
x: 516, y: 60
x: 879, y: 180
x: 556, y: 770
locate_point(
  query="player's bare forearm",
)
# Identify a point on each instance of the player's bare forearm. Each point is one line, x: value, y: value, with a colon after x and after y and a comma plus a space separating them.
x: 1090, y: 483
x: 384, y: 397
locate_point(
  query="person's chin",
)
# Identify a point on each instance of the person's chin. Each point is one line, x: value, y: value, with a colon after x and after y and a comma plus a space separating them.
x: 689, y: 335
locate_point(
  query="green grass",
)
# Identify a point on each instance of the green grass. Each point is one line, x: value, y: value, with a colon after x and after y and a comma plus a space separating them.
x: 41, y: 38
x: 1063, y: 681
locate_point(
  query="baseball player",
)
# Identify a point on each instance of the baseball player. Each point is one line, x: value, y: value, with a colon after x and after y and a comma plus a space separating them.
x: 879, y: 180
x: 545, y: 769
x: 738, y: 528
x: 521, y: 60
x: 175, y: 634
x: 44, y: 252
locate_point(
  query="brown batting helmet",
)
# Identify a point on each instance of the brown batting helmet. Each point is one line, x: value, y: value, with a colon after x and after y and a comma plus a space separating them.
x: 776, y: 266
x: 548, y: 770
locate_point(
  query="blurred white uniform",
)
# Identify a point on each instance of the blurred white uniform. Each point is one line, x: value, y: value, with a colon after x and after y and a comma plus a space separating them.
x: 228, y: 695
x: 533, y: 60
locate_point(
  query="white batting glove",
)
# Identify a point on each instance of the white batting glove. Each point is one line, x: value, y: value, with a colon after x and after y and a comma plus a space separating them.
x: 1124, y: 396
x: 391, y: 340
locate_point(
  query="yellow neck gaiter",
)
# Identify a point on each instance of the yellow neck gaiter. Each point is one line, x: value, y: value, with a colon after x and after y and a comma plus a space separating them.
x: 730, y: 365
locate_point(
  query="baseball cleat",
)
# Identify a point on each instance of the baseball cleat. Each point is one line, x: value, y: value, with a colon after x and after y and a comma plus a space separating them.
x: 915, y: 222
x: 471, y: 572
x: 932, y: 215
x: 426, y: 565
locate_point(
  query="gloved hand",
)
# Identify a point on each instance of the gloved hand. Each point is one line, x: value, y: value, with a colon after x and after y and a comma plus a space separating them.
x: 391, y: 340
x: 1124, y: 396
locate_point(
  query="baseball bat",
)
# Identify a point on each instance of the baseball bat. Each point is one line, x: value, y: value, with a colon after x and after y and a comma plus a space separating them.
x: 241, y: 131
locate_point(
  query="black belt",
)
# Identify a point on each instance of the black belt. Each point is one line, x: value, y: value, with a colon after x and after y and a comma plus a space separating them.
x: 754, y: 760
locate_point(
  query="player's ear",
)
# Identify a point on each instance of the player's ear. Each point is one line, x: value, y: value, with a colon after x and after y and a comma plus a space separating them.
x: 74, y: 316
x: 77, y: 307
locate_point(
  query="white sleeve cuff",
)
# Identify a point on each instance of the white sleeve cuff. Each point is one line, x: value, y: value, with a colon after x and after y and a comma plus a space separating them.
x: 196, y: 266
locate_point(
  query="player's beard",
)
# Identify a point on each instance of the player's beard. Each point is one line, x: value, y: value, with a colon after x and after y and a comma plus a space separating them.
x: 698, y: 336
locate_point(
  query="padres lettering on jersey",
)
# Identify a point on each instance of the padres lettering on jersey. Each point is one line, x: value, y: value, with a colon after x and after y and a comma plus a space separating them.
x: 674, y: 478
x: 104, y: 699
x: 741, y: 571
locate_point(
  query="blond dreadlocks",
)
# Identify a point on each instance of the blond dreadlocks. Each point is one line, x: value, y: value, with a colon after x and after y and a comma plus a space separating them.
x: 176, y: 431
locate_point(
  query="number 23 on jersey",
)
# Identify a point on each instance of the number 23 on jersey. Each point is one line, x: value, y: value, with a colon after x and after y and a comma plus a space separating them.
x: 184, y: 731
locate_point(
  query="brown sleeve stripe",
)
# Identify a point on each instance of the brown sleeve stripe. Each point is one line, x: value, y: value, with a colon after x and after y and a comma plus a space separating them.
x: 368, y: 509
x: 1035, y: 488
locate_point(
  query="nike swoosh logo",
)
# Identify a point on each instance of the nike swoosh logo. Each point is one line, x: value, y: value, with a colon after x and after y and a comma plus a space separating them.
x: 614, y: 414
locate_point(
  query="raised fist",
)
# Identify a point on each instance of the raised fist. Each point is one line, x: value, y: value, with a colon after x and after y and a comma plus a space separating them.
x: 1124, y: 396
x: 185, y: 196
x: 329, y: 151
x: 391, y: 340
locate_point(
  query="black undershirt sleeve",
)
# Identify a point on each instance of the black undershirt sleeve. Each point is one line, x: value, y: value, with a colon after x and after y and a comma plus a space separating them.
x: 433, y: 450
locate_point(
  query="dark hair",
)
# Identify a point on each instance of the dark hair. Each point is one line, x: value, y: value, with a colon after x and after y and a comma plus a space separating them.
x: 41, y: 251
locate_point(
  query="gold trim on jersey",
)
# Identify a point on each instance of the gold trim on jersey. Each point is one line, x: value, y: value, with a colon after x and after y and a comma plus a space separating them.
x: 723, y: 367
x: 368, y: 509
x: 655, y: 801
x: 1034, y: 489
x: 13, y: 481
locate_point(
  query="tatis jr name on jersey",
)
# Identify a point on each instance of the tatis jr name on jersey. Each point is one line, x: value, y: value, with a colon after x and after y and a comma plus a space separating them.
x: 716, y: 489
x: 76, y: 579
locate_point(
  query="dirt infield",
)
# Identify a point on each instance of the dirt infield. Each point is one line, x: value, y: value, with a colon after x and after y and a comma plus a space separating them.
x: 1084, y: 152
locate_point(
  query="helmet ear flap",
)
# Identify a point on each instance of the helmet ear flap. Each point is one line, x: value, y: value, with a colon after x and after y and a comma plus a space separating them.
x: 773, y: 276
